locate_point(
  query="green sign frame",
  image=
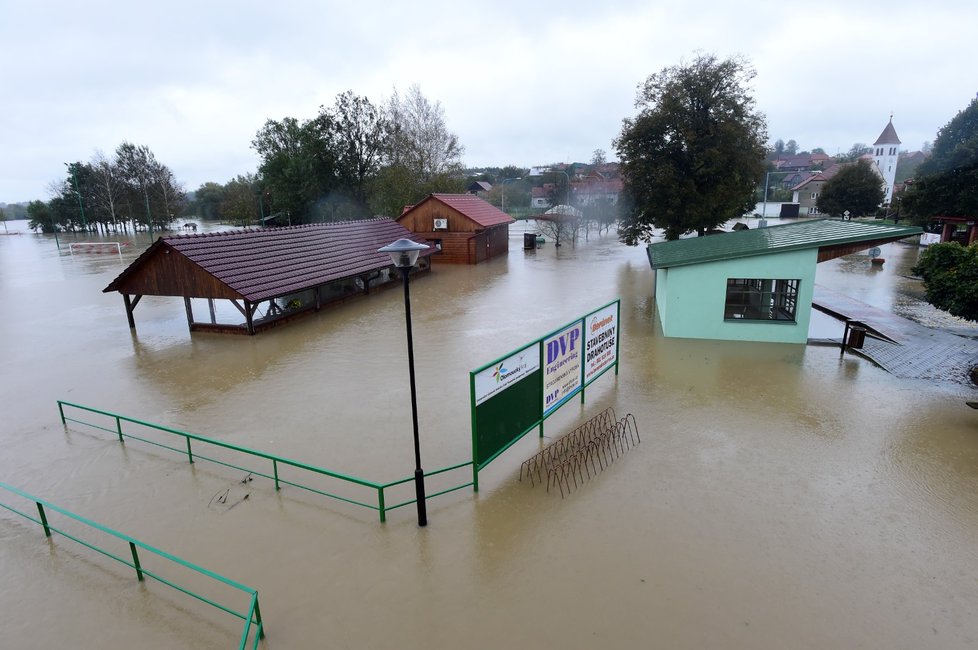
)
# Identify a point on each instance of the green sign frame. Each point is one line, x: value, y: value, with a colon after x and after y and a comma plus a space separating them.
x: 517, y: 392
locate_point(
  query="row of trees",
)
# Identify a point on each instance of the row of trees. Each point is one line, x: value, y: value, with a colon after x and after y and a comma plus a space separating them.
x: 242, y: 201
x: 130, y: 190
x: 356, y: 159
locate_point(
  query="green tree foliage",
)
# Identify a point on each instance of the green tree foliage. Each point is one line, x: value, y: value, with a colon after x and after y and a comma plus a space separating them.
x: 292, y: 167
x: 950, y: 274
x: 855, y: 152
x: 127, y: 189
x: 947, y: 182
x: 692, y: 157
x: 15, y: 211
x: 856, y: 188
x: 207, y: 201
x: 239, y: 203
x: 355, y: 159
x: 421, y: 155
x: 150, y: 194
x: 40, y: 217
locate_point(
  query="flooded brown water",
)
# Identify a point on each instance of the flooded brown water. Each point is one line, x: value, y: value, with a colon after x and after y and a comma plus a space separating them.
x: 780, y: 498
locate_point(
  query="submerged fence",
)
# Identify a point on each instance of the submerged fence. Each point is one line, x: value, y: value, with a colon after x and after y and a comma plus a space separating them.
x: 252, y: 617
x: 379, y: 489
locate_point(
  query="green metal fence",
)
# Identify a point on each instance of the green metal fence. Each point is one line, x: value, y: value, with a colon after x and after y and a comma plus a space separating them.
x: 251, y: 618
x: 378, y: 489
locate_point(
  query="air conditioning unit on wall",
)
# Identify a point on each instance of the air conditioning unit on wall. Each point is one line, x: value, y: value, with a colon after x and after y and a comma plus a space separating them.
x: 441, y: 224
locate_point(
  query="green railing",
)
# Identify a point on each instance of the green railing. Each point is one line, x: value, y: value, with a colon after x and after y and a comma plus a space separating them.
x: 251, y: 617
x: 379, y: 489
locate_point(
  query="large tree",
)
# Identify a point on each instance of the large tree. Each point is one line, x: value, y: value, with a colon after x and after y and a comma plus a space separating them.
x: 950, y: 274
x: 151, y: 194
x: 692, y: 157
x: 946, y: 184
x: 421, y: 154
x: 856, y: 188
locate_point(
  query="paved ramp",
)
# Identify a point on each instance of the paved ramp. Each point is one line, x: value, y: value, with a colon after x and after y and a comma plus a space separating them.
x: 899, y: 345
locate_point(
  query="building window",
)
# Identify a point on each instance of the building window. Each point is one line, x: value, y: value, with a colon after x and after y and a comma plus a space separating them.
x: 892, y: 151
x: 756, y: 299
x: 814, y: 195
x: 813, y: 210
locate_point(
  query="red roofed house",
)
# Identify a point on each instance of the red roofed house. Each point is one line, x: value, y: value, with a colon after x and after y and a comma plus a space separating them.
x: 266, y: 275
x: 806, y: 193
x: 465, y: 228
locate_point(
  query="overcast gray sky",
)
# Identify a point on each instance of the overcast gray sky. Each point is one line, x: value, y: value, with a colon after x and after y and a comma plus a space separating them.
x: 525, y: 83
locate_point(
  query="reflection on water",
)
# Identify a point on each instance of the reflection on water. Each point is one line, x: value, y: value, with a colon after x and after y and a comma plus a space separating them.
x: 777, y: 486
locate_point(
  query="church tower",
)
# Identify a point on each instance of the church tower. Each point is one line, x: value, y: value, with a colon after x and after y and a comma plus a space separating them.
x: 886, y: 151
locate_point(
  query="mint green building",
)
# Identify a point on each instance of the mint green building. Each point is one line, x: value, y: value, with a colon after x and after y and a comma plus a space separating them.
x: 753, y: 285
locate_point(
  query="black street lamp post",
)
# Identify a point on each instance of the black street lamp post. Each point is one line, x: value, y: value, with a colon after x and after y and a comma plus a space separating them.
x: 404, y: 253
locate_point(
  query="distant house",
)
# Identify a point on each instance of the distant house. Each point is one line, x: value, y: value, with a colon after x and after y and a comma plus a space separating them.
x: 464, y: 228
x: 806, y: 193
x: 269, y: 275
x: 802, y: 162
x: 596, y: 189
x: 753, y: 285
x: 479, y: 188
x: 542, y: 195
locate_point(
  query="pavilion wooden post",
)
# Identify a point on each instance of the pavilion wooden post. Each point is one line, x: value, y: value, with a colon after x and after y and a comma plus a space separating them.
x: 250, y: 316
x: 190, y: 312
x: 210, y: 305
x: 129, y: 308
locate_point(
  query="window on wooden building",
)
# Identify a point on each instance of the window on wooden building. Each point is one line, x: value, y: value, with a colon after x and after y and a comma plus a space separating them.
x: 757, y: 299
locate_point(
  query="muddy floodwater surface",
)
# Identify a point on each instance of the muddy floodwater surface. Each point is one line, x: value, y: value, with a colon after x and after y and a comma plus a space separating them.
x: 781, y: 496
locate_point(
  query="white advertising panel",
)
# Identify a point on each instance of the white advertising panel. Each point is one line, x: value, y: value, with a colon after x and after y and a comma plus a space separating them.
x: 498, y: 377
x: 562, y: 367
x: 600, y: 341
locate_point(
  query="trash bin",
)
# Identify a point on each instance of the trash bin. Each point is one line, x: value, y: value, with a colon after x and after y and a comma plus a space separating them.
x: 857, y: 336
x: 529, y: 241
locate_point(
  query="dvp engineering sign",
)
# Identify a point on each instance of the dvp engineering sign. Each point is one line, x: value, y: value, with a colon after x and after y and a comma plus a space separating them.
x: 517, y: 392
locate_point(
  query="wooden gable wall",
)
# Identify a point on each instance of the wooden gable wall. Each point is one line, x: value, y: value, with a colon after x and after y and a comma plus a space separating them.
x: 170, y: 273
x: 422, y: 218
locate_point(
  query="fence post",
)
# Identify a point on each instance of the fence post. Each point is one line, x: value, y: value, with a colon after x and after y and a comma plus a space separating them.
x: 381, y: 505
x: 44, y: 519
x: 118, y: 428
x: 135, y: 561
x: 275, y: 471
x: 261, y: 628
x: 61, y: 410
x: 190, y: 454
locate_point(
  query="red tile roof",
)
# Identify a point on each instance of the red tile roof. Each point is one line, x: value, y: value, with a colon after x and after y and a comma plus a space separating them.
x: 478, y: 210
x: 263, y: 263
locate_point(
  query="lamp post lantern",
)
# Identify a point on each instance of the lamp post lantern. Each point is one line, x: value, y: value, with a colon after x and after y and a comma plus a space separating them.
x: 404, y: 254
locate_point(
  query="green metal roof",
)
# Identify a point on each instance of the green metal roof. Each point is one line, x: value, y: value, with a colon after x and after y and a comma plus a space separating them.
x: 819, y: 233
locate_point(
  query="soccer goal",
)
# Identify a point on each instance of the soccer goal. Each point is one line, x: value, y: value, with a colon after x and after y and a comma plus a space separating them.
x: 95, y: 248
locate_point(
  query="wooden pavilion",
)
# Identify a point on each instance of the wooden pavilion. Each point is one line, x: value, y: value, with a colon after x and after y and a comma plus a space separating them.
x: 270, y: 275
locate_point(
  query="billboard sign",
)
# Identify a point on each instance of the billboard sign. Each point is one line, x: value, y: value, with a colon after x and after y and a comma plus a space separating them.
x: 600, y: 341
x: 501, y: 375
x: 562, y: 367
